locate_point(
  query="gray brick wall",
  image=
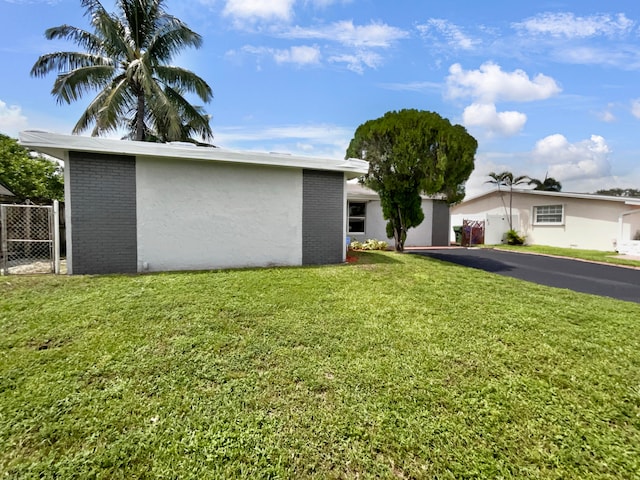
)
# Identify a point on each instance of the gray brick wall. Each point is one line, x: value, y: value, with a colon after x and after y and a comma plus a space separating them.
x: 103, y: 213
x: 322, y: 217
x: 440, y: 225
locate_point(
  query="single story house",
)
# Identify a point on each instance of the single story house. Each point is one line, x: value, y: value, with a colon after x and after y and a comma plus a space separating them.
x: 557, y: 219
x: 366, y: 221
x: 147, y: 207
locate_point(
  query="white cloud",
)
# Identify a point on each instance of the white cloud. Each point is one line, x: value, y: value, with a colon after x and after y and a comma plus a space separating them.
x: 635, y: 107
x: 574, y: 161
x: 487, y: 117
x: 329, y: 141
x: 453, y: 34
x: 373, y: 35
x: 490, y: 83
x: 607, y: 115
x: 356, y: 62
x: 253, y: 10
x: 325, y: 3
x: 12, y: 120
x: 568, y: 25
x: 299, y: 55
x: 302, y: 55
x: 413, y: 86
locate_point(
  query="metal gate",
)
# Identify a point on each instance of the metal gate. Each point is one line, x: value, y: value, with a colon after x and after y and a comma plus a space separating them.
x: 472, y: 232
x: 28, y: 239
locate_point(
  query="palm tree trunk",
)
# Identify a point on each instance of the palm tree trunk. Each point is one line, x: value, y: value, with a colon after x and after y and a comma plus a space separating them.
x: 511, y: 207
x: 140, y: 118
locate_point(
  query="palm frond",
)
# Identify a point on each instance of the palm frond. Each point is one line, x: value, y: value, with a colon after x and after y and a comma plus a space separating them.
x: 172, y: 37
x: 184, y: 80
x: 73, y: 85
x: 66, y: 62
x: 80, y: 37
x: 106, y: 109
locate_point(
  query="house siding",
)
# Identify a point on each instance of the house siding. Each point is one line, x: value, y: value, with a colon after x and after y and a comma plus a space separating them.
x: 322, y: 217
x: 103, y: 213
x: 591, y: 224
x: 209, y: 215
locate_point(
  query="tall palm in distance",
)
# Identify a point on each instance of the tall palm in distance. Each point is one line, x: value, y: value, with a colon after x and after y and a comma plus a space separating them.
x: 549, y: 184
x: 506, y: 179
x: 127, y: 60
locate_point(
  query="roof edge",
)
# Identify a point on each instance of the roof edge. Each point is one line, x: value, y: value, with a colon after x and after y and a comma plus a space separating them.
x: 587, y: 196
x: 57, y: 145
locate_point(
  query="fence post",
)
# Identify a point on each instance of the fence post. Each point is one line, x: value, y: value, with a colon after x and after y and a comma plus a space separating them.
x: 56, y: 237
x: 3, y: 241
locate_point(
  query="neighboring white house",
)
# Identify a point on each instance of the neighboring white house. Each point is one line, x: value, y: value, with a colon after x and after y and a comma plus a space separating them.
x: 558, y: 219
x: 136, y: 206
x: 366, y: 221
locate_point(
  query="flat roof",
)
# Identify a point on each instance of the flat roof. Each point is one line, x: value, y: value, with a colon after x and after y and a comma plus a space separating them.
x: 58, y: 146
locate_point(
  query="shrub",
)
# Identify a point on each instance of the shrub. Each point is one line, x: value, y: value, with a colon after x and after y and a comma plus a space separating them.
x: 637, y: 235
x: 371, y: 244
x: 513, y: 238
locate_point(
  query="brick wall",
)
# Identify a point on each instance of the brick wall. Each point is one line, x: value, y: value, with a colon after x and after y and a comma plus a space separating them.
x: 103, y: 213
x: 322, y: 217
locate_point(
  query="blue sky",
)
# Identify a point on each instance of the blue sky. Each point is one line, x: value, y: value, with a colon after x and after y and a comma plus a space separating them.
x: 547, y: 87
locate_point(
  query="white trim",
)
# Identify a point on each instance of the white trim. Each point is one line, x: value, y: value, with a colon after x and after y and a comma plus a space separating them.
x: 363, y: 217
x: 587, y: 196
x: 58, y: 145
x: 534, y: 216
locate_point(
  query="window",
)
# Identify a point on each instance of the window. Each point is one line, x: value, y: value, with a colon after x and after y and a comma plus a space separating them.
x: 357, y: 214
x: 548, y: 215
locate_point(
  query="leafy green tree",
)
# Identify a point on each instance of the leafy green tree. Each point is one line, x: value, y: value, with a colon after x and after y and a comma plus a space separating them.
x: 126, y: 59
x: 620, y: 192
x: 29, y: 177
x: 506, y: 179
x: 549, y: 184
x: 412, y: 152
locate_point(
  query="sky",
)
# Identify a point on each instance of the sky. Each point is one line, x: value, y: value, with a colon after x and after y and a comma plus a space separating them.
x: 549, y: 87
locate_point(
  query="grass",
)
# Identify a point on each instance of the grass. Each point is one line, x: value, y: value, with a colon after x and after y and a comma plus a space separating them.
x: 592, y: 255
x: 397, y: 366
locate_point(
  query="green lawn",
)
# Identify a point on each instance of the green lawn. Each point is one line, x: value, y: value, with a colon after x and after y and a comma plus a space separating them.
x: 591, y: 255
x: 397, y: 366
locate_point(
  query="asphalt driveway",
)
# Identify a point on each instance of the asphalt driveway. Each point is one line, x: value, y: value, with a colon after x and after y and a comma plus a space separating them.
x: 604, y: 280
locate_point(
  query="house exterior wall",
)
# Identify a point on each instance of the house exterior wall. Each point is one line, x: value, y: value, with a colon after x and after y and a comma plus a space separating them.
x: 433, y: 231
x: 323, y: 210
x: 198, y: 215
x: 102, y: 210
x: 590, y: 224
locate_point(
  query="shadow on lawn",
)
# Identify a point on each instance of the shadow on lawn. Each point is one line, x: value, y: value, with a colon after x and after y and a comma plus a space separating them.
x: 486, y: 264
x: 370, y: 257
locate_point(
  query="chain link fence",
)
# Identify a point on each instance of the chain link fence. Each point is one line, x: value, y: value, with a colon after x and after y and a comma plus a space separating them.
x: 26, y: 239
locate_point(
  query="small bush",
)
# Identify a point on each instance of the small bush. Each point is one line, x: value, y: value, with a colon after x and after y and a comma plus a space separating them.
x: 637, y: 235
x: 371, y: 244
x: 513, y: 238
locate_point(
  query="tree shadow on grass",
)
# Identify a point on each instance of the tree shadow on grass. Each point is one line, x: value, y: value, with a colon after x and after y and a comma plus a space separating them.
x: 361, y: 257
x: 480, y: 263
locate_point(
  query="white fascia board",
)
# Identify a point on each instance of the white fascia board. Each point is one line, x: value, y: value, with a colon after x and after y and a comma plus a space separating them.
x: 544, y: 193
x: 56, y: 145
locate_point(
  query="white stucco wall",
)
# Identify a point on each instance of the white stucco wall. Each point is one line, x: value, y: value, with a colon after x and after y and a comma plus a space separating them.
x: 198, y: 215
x: 376, y: 226
x: 588, y: 223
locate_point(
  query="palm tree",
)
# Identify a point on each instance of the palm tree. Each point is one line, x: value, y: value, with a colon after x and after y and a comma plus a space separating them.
x: 127, y: 59
x: 506, y: 179
x: 549, y: 184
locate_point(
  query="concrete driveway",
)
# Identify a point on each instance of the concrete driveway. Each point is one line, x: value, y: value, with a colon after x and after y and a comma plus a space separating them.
x: 604, y: 280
